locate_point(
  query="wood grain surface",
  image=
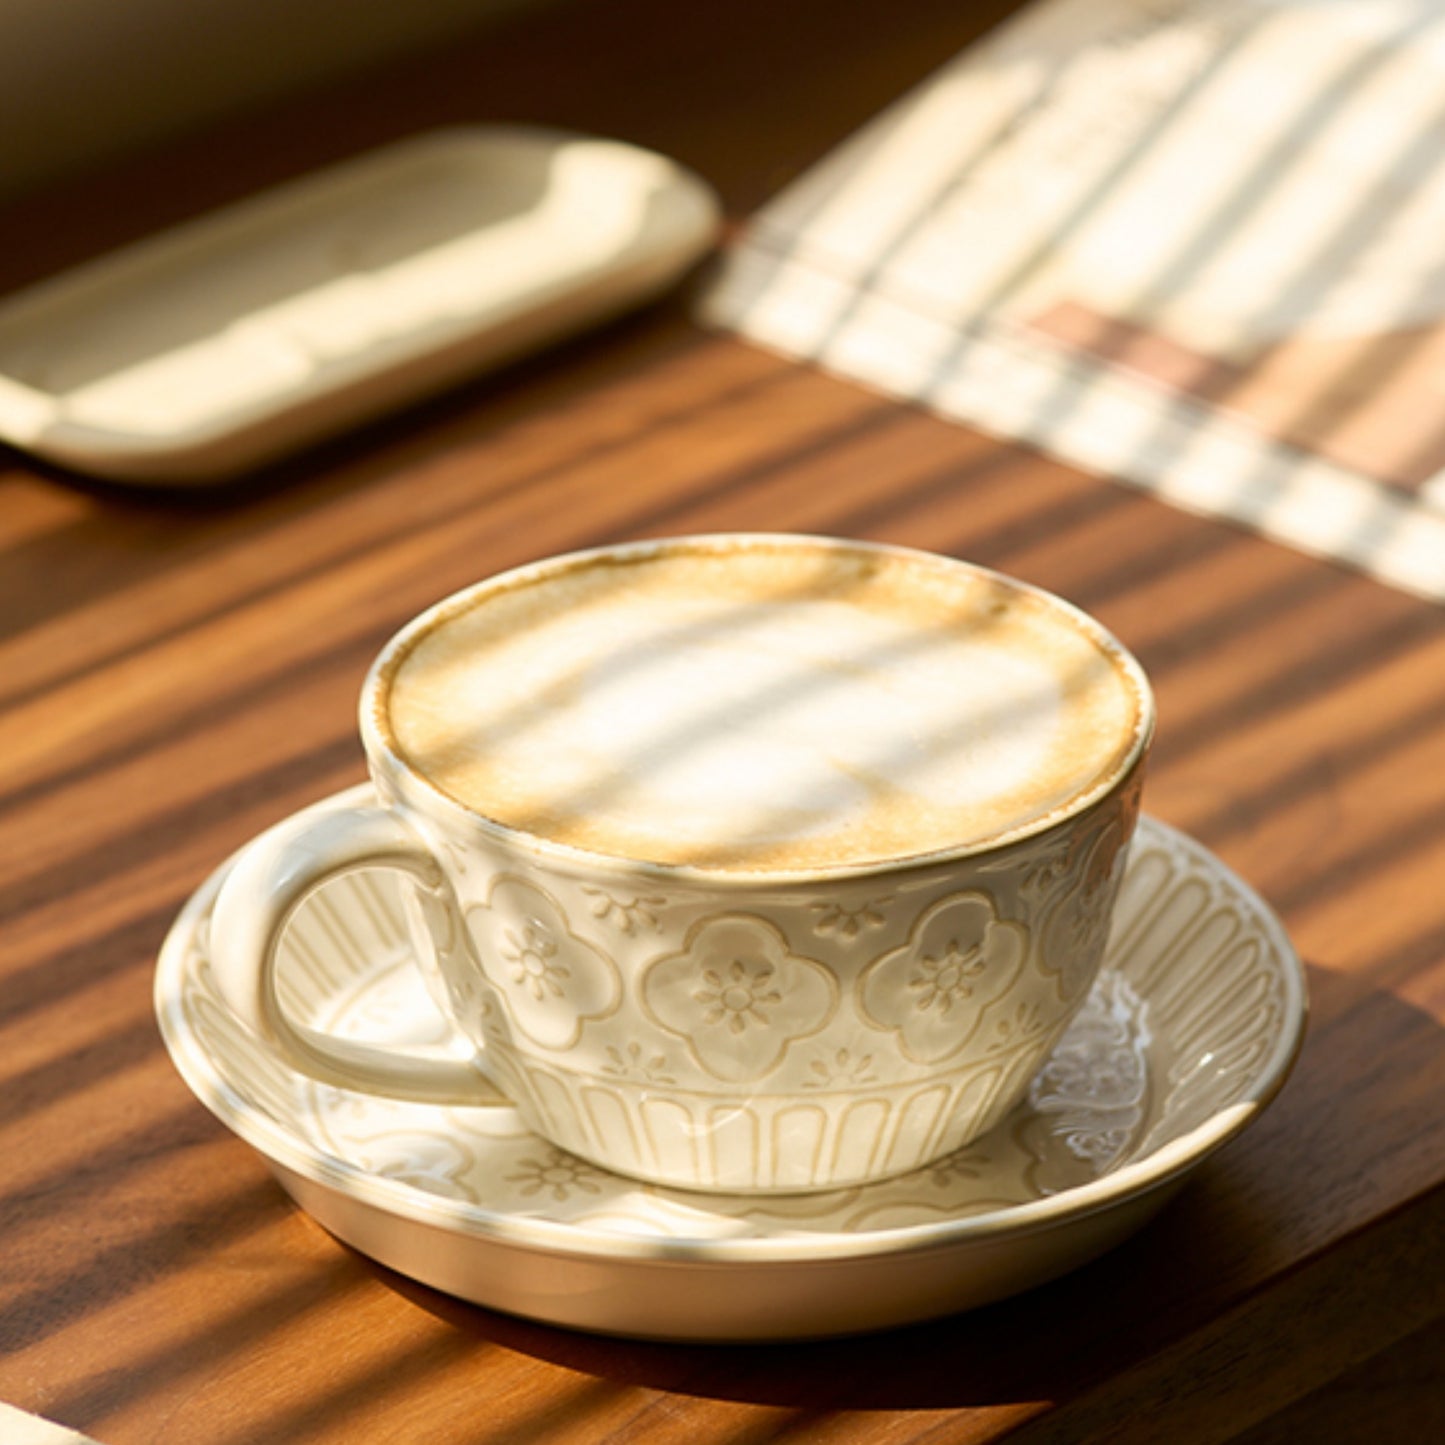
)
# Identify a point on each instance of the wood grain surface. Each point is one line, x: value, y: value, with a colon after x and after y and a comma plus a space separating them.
x: 177, y: 671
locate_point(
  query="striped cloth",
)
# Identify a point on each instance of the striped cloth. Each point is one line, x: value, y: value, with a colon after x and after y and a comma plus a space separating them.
x: 1192, y: 244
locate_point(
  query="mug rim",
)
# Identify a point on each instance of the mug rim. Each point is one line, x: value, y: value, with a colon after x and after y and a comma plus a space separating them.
x: 417, y: 790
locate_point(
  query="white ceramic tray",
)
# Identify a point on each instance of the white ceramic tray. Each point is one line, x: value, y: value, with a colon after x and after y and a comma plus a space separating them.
x: 1189, y: 1033
x: 217, y: 346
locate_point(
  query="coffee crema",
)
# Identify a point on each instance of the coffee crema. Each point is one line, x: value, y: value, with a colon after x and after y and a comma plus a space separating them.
x: 759, y: 704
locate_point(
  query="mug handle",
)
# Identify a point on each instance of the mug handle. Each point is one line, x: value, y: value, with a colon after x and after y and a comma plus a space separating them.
x: 271, y: 879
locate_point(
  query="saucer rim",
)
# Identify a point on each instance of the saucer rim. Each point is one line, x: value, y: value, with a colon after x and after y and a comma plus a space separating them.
x: 1155, y: 1171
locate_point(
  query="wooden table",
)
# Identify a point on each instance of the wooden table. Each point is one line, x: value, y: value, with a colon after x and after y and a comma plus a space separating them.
x: 178, y: 671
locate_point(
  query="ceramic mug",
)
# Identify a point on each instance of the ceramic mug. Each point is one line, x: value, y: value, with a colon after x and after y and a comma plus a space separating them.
x: 748, y: 863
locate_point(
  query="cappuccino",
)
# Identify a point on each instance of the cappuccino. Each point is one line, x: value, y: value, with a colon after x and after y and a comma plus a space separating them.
x: 744, y: 863
x: 763, y: 704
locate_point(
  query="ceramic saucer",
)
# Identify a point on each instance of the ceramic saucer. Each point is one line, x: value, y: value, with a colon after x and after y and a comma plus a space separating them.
x: 1189, y: 1032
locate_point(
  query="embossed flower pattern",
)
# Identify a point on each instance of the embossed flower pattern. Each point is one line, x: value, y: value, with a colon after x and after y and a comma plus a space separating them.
x: 555, y: 1175
x: 847, y: 921
x: 841, y: 1069
x: 933, y: 991
x: 630, y: 914
x: 738, y: 996
x: 551, y: 980
x: 637, y: 1065
x: 948, y: 978
x: 532, y: 953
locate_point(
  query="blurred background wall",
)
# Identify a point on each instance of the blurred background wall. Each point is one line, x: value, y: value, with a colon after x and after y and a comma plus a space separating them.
x: 81, y: 80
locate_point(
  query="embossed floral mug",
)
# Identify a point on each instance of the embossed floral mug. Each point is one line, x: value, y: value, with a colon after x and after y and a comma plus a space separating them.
x: 747, y: 863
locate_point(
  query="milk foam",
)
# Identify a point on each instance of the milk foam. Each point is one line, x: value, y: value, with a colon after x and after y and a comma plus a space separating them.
x: 774, y: 707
